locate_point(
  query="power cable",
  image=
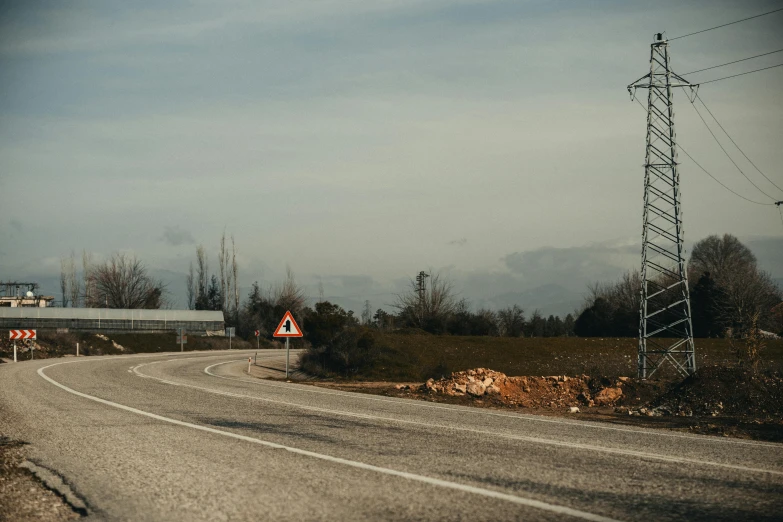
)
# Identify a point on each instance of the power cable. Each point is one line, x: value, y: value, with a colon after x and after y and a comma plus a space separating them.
x: 724, y: 25
x: 719, y: 181
x: 735, y: 61
x: 727, y: 153
x: 735, y: 143
x: 679, y: 146
x: 741, y: 74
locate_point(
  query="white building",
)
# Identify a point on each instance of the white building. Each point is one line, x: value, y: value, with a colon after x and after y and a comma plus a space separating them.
x: 27, y: 301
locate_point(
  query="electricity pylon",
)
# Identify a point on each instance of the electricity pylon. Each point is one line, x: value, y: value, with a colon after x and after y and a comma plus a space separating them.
x: 665, y: 329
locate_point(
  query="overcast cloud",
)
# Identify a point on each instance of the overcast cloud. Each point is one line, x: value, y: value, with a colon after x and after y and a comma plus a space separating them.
x: 360, y: 142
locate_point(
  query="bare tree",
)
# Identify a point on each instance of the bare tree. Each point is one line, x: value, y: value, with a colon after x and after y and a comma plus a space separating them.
x: 719, y: 256
x: 123, y: 282
x: 225, y: 282
x: 290, y: 295
x: 748, y: 299
x: 75, y: 286
x: 86, y: 268
x: 621, y: 295
x: 202, y: 278
x: 511, y: 321
x: 746, y: 295
x: 190, y: 281
x: 64, y: 280
x: 235, y: 274
x: 422, y: 303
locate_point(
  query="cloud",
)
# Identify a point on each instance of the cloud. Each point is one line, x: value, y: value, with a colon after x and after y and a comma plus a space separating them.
x: 175, y: 236
x: 16, y: 225
x: 458, y: 242
x: 768, y: 252
x: 574, y: 267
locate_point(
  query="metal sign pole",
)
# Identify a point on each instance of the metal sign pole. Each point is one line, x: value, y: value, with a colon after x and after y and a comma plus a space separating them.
x: 286, y: 357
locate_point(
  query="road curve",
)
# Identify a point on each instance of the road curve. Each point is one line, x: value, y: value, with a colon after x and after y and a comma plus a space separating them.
x: 192, y: 437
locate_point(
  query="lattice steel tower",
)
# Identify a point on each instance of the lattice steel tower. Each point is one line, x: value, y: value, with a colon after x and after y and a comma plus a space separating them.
x: 665, y: 329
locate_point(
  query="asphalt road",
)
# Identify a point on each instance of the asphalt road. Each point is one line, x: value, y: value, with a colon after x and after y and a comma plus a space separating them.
x: 192, y: 437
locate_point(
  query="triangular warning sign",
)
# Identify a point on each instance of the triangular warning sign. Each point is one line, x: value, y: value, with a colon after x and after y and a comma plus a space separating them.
x: 288, y: 327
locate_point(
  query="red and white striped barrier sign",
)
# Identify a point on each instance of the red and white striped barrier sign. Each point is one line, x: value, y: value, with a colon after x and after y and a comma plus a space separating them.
x: 22, y: 334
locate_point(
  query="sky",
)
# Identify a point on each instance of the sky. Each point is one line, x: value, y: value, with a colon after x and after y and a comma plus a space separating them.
x: 361, y: 142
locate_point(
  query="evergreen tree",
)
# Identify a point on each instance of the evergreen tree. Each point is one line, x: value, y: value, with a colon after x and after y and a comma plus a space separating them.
x: 550, y: 329
x: 214, y: 301
x: 705, y: 299
x: 568, y: 325
x: 595, y: 320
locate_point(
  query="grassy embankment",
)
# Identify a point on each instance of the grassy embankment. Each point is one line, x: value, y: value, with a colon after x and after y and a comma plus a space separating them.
x: 52, y: 344
x: 419, y: 356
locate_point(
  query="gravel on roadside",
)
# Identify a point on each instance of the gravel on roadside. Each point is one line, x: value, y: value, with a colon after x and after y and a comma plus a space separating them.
x: 22, y: 496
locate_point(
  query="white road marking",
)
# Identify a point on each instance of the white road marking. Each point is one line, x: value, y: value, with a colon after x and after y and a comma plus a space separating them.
x: 553, y: 508
x: 479, y: 411
x: 524, y: 438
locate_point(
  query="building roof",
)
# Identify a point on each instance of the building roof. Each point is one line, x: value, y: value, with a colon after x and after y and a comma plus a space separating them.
x: 110, y: 313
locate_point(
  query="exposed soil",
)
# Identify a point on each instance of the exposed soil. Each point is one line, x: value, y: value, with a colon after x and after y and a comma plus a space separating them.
x: 22, y: 496
x: 717, y: 400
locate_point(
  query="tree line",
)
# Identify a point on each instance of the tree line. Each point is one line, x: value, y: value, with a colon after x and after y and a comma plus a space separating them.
x: 428, y: 304
x: 730, y: 295
x: 219, y: 291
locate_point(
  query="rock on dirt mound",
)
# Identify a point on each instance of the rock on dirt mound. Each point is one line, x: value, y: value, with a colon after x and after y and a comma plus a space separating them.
x: 720, y: 390
x: 553, y: 391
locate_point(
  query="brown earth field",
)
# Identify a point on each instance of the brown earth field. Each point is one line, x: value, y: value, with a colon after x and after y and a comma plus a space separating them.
x: 549, y: 376
x: 421, y: 356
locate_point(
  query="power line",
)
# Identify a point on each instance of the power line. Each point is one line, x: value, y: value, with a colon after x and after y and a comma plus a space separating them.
x: 735, y: 61
x: 679, y: 145
x: 741, y: 74
x: 735, y: 143
x: 727, y: 153
x: 724, y: 25
x: 719, y: 181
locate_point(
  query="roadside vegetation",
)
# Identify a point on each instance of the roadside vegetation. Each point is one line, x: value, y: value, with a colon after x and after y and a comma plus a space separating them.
x: 730, y: 296
x: 50, y: 344
x: 430, y: 331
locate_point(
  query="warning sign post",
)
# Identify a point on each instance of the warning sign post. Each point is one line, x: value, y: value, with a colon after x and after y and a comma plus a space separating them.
x: 287, y: 328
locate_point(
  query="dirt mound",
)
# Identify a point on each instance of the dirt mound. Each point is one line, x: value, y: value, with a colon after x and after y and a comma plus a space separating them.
x: 719, y: 390
x: 544, y: 392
